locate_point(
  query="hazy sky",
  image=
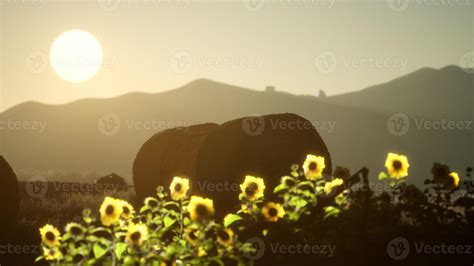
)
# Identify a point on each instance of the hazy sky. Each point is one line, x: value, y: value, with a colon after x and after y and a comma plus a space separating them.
x: 299, y: 46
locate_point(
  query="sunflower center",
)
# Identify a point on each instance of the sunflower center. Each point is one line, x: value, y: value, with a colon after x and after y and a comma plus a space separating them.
x: 201, y: 210
x: 397, y: 165
x: 251, y: 189
x: 109, y: 210
x: 178, y: 187
x: 135, y: 236
x: 224, y: 235
x: 312, y: 166
x: 50, y: 236
x: 272, y: 212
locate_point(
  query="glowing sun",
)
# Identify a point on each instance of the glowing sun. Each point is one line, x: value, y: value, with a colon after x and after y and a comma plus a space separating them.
x: 76, y: 56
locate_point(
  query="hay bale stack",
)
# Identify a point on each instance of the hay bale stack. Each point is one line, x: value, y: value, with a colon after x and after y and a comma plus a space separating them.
x: 168, y: 153
x: 9, y: 195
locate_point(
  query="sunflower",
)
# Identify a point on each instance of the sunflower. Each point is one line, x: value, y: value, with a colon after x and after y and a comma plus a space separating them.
x: 191, y: 235
x: 397, y: 165
x: 127, y: 209
x: 273, y: 211
x: 179, y: 187
x: 200, y: 208
x: 454, y: 180
x: 52, y: 253
x: 74, y: 229
x: 252, y: 188
x: 50, y: 235
x: 225, y: 236
x: 313, y: 167
x: 136, y: 234
x: 110, y: 211
x: 329, y: 186
x: 151, y: 202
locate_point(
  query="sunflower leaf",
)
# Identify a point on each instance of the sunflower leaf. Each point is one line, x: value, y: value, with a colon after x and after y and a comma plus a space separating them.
x: 119, y: 249
x: 230, y: 219
x: 99, y: 250
x: 279, y: 188
x: 382, y: 175
x: 168, y: 221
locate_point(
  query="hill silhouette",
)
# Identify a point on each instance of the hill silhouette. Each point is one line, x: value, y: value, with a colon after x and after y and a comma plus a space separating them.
x: 445, y: 93
x: 104, y: 135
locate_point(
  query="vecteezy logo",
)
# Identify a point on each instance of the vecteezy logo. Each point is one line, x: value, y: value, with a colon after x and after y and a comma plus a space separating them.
x: 109, y: 5
x: 109, y: 124
x: 36, y: 62
x: 253, y: 125
x: 398, y: 124
x: 181, y: 62
x: 398, y: 5
x: 326, y: 62
x: 259, y: 248
x: 398, y: 248
x: 36, y: 187
x: 254, y: 5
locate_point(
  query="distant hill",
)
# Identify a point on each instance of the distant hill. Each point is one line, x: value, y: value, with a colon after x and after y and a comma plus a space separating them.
x: 78, y: 140
x: 445, y: 93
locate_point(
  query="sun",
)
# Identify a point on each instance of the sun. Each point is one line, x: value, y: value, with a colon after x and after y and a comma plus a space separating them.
x: 76, y: 56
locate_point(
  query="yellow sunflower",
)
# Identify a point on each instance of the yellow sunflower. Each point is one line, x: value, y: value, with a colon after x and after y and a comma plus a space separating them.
x: 454, y: 179
x: 136, y: 234
x: 179, y: 187
x: 273, y: 211
x: 225, y: 236
x: 313, y: 167
x: 110, y: 211
x: 253, y: 187
x: 52, y: 253
x: 151, y: 202
x: 74, y: 229
x: 397, y: 165
x: 200, y: 208
x: 127, y: 209
x: 329, y: 186
x: 191, y: 235
x: 50, y: 235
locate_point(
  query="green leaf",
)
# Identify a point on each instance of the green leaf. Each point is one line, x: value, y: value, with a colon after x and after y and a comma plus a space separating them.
x: 186, y: 221
x: 382, y: 175
x: 230, y: 219
x: 39, y: 258
x: 306, y: 183
x: 144, y: 209
x: 171, y: 203
x: 298, y: 202
x: 120, y: 249
x: 168, y: 221
x: 331, y: 211
x: 279, y: 188
x: 99, y: 250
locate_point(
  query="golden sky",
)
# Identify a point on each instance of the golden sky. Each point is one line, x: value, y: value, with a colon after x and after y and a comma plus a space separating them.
x: 299, y: 46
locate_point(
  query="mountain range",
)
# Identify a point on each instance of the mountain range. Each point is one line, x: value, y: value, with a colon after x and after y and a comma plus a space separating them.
x: 426, y: 115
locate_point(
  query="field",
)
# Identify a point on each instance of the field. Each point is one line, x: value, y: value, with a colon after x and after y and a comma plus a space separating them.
x: 358, y: 221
